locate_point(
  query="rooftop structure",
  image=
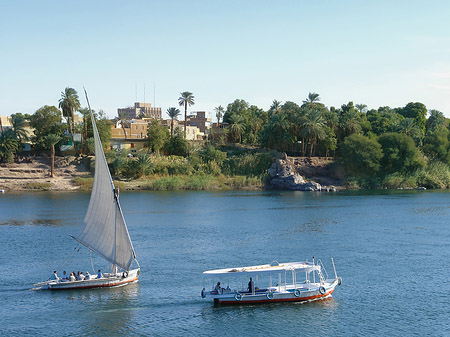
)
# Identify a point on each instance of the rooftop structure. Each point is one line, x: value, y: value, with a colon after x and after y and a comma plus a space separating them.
x: 139, y: 109
x: 199, y: 120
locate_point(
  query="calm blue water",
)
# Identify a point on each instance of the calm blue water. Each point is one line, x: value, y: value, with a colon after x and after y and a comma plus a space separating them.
x: 391, y: 249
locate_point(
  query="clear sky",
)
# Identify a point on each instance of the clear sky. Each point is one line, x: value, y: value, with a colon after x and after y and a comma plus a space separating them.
x: 373, y: 52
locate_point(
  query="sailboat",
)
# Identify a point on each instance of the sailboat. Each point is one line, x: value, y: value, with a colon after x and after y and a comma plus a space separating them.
x: 104, y: 231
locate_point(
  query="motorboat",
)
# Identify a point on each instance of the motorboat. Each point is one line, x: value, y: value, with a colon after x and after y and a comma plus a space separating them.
x: 271, y: 283
x: 104, y: 232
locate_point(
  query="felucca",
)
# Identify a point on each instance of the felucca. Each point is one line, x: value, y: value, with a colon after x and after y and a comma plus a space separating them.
x: 104, y: 232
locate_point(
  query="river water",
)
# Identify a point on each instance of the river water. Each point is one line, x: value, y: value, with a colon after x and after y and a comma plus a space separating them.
x: 390, y: 248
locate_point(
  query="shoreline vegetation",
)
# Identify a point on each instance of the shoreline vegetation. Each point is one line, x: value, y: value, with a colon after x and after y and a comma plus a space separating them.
x: 306, y: 146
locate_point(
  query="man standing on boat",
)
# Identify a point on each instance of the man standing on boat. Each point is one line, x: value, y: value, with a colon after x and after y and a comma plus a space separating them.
x: 251, y: 286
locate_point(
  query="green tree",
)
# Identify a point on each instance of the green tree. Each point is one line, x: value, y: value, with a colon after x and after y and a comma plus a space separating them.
x: 362, y: 108
x: 18, y: 127
x: 311, y: 101
x: 409, y: 127
x: 349, y: 121
x: 418, y: 111
x: 103, y: 128
x: 51, y: 140
x: 176, y: 145
x: 210, y: 154
x: 157, y: 136
x: 275, y: 108
x: 45, y: 121
x: 219, y: 113
x: 122, y: 117
x: 361, y: 155
x: 9, y: 144
x: 69, y: 103
x: 144, y: 165
x: 436, y: 145
x: 313, y: 128
x: 186, y: 98
x: 399, y: 153
x: 173, y: 114
x: 236, y: 127
x: 436, y: 121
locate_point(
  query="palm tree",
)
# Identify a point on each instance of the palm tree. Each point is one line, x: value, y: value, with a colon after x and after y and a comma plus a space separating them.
x: 236, y: 126
x: 123, y: 121
x: 51, y: 140
x: 313, y: 128
x: 275, y: 108
x: 311, y: 99
x: 349, y: 122
x: 9, y: 144
x: 185, y: 99
x: 219, y: 113
x: 173, y: 114
x: 18, y: 127
x: 361, y: 107
x: 69, y: 103
x: 144, y: 165
x: 409, y: 127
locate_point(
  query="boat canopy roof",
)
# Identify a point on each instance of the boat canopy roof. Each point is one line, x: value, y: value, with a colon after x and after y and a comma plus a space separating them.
x: 274, y: 267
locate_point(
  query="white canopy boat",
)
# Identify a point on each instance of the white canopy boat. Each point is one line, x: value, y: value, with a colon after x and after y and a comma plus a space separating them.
x: 104, y: 232
x: 267, y: 283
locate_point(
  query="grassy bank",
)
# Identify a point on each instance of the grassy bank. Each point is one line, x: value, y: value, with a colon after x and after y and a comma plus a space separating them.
x: 182, y: 182
x: 434, y: 176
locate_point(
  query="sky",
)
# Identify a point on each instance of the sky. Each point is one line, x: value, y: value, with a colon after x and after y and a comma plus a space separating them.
x: 378, y: 53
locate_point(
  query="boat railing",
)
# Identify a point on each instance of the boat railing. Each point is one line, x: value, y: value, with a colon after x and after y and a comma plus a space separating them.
x: 321, y: 274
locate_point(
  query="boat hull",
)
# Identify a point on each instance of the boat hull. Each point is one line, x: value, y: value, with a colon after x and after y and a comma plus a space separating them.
x: 108, y: 281
x: 274, y: 295
x: 277, y: 298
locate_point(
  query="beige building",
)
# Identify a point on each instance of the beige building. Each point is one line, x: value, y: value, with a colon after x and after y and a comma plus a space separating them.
x: 141, y: 108
x: 199, y: 120
x: 136, y: 133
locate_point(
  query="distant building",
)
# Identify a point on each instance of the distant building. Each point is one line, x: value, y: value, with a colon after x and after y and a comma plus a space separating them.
x: 136, y: 133
x: 141, y: 109
x: 199, y: 120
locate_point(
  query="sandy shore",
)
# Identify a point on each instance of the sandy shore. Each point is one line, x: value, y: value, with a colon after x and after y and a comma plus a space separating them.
x: 35, y: 175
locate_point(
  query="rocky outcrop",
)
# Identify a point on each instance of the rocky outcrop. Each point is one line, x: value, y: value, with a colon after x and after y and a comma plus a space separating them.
x: 284, y: 176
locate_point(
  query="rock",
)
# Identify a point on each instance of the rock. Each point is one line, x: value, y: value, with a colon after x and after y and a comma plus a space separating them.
x: 283, y: 176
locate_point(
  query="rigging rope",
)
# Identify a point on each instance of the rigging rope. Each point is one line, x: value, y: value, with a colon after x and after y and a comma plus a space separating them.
x: 70, y: 256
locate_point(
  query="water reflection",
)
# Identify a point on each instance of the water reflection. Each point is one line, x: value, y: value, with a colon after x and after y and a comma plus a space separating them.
x: 37, y: 222
x: 106, y: 311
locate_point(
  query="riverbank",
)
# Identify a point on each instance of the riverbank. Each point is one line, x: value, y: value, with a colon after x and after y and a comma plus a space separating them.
x: 71, y: 174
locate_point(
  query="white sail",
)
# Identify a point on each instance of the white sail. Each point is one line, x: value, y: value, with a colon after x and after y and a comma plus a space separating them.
x: 105, y: 230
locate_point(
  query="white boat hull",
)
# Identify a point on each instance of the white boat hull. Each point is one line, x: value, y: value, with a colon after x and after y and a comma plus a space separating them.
x: 107, y: 281
x: 274, y: 295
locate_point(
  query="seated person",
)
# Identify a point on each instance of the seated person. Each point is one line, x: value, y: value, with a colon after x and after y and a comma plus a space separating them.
x: 72, y: 277
x: 218, y: 288
x: 82, y: 277
x: 99, y: 275
x: 88, y: 276
x: 54, y: 276
x: 64, y: 276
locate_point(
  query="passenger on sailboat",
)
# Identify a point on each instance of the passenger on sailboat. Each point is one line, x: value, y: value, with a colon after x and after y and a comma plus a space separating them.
x: 82, y: 277
x: 64, y: 276
x: 72, y: 277
x: 54, y: 276
x: 88, y: 276
x: 99, y: 275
